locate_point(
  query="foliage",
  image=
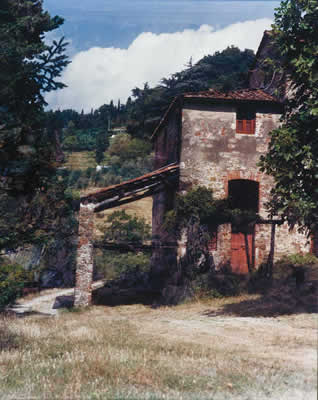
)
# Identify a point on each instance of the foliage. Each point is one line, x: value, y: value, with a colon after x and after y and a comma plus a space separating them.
x: 126, y: 148
x: 283, y: 270
x: 199, y: 203
x: 44, y: 219
x: 197, y: 215
x: 83, y: 140
x: 29, y: 68
x: 101, y: 145
x: 12, y: 280
x: 124, y: 228
x: 128, y: 157
x: 112, y: 264
x: 226, y: 70
x: 292, y: 157
x: 81, y: 179
x: 121, y: 227
x: 217, y: 285
x: 298, y: 259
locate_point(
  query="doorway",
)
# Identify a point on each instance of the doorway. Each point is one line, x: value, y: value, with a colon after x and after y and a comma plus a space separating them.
x: 243, y: 195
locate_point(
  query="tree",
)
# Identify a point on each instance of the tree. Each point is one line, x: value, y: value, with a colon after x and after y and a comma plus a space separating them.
x: 28, y: 69
x: 292, y: 157
x: 101, y: 145
x: 124, y: 228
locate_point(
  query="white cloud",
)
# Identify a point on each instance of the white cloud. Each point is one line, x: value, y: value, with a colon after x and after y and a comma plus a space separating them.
x: 99, y: 74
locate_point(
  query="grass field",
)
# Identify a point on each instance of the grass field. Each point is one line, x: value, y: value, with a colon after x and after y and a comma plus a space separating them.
x: 195, y: 351
x: 80, y: 160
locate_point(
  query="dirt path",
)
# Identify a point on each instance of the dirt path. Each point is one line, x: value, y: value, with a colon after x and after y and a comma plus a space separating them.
x: 287, y: 339
x: 43, y: 303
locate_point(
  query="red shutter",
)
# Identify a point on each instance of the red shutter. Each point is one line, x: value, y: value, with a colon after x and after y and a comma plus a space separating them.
x: 246, y: 126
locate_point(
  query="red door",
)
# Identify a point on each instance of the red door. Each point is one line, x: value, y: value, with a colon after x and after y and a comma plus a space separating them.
x: 238, y: 252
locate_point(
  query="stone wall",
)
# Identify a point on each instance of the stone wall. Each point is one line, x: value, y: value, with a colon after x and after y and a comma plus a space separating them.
x: 85, y: 253
x: 212, y: 154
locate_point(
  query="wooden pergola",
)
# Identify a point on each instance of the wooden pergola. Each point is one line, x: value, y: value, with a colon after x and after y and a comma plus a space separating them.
x: 109, y: 197
x: 132, y: 190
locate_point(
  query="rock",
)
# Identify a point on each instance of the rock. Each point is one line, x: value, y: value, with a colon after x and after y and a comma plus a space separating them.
x: 63, y: 302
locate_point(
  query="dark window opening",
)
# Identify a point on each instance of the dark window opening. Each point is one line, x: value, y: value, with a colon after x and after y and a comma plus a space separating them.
x: 244, y: 194
x: 245, y: 120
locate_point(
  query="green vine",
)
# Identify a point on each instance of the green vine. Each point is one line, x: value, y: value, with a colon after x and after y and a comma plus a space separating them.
x: 199, y: 203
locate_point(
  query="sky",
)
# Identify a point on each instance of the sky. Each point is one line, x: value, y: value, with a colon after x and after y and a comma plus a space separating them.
x: 116, y: 45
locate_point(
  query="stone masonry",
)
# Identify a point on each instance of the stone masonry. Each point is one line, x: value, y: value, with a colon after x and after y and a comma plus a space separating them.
x: 213, y: 154
x: 201, y: 132
x: 84, y: 269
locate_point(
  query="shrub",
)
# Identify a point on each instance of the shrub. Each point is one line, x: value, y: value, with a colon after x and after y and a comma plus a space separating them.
x: 111, y: 264
x: 74, y: 177
x: 13, y: 278
x: 299, y: 259
x: 283, y: 269
x: 259, y: 281
x: 122, y: 227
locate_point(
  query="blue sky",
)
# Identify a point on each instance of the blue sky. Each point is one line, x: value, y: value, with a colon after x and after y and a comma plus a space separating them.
x: 117, y: 45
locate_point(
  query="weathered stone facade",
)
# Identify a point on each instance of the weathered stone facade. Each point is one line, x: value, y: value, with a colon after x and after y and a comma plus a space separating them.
x: 84, y: 268
x: 203, y: 135
x: 213, y: 154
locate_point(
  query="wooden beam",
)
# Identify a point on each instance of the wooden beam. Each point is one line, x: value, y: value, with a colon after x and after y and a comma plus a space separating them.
x: 168, y: 172
x: 105, y: 205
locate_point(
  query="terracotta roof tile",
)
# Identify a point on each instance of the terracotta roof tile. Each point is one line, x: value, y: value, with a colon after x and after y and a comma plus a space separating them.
x: 244, y: 95
x: 237, y: 95
x: 140, y: 182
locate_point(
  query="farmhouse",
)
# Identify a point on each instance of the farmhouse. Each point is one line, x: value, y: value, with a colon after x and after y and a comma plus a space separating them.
x: 210, y: 139
x: 217, y: 139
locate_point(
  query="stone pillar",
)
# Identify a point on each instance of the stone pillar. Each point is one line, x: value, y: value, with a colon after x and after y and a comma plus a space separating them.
x: 84, y: 264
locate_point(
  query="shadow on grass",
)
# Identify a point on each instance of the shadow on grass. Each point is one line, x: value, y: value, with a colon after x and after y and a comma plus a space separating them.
x: 278, y: 301
x: 108, y: 297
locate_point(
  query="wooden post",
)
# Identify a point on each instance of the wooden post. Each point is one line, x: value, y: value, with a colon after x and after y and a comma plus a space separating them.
x: 270, y: 261
x: 247, y: 253
x: 85, y: 254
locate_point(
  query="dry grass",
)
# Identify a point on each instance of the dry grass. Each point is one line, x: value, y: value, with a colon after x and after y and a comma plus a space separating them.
x: 134, y: 352
x: 141, y: 208
x: 80, y: 160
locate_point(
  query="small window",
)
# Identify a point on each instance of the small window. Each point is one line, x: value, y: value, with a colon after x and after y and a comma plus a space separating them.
x: 245, y: 120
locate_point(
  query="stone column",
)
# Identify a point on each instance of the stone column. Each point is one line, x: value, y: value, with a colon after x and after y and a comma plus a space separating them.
x: 84, y: 264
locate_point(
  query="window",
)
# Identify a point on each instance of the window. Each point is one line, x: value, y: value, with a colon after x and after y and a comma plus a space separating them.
x: 245, y: 120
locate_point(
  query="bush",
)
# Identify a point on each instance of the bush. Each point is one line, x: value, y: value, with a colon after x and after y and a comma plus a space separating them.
x: 74, y: 177
x: 283, y: 270
x: 111, y: 264
x: 299, y: 259
x: 122, y: 227
x: 259, y: 281
x: 222, y: 283
x: 13, y: 278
